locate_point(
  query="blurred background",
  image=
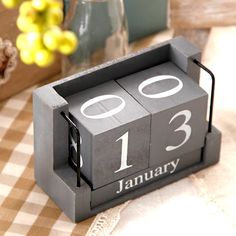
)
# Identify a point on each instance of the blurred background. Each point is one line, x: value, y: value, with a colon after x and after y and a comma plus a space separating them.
x: 149, y: 22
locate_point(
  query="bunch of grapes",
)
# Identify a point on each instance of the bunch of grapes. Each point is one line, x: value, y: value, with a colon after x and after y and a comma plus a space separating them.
x: 41, y: 36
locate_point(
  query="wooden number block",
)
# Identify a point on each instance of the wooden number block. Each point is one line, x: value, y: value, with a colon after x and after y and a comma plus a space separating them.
x: 115, y: 133
x: 178, y: 107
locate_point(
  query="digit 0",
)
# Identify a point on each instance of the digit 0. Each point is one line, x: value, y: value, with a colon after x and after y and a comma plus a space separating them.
x: 105, y: 114
x: 158, y: 78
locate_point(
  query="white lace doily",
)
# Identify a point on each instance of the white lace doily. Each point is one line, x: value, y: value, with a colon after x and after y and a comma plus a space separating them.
x: 106, y: 221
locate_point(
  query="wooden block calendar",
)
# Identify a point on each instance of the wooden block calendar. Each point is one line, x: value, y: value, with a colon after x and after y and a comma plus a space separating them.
x: 123, y: 129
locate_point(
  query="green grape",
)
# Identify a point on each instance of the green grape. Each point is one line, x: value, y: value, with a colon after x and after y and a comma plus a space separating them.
x: 39, y: 5
x: 55, y: 5
x: 23, y: 24
x: 25, y: 8
x: 68, y: 43
x: 44, y: 58
x: 35, y: 27
x: 21, y: 41
x: 27, y: 56
x: 54, y: 16
x: 39, y: 21
x: 30, y: 19
x: 26, y: 25
x: 34, y: 40
x: 10, y: 3
x: 52, y: 38
x: 29, y: 41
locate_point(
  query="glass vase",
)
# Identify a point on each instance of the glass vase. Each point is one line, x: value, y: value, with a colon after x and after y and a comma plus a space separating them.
x: 101, y: 27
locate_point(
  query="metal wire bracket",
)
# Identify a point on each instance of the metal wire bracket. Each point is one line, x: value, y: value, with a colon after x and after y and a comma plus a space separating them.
x: 73, y: 164
x: 198, y: 63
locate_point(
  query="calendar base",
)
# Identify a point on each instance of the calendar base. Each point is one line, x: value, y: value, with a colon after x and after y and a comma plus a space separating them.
x: 81, y: 203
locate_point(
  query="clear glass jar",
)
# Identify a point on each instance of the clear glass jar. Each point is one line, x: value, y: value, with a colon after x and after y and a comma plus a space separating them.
x: 101, y: 27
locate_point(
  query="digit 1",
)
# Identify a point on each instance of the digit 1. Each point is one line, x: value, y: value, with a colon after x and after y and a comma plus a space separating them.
x: 124, y: 152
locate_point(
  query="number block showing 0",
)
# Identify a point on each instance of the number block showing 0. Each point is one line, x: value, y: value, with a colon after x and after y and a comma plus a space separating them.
x: 177, y: 106
x: 115, y: 132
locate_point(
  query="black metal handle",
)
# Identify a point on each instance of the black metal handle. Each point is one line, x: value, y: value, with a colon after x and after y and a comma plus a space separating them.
x: 75, y: 166
x: 212, y: 91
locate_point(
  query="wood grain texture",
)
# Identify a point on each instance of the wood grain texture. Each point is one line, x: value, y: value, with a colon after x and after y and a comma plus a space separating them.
x: 24, y: 76
x: 198, y: 37
x: 202, y: 13
x: 151, y: 40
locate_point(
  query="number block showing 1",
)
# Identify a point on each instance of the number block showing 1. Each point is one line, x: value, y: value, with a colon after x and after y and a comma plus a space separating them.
x: 178, y: 107
x: 115, y: 133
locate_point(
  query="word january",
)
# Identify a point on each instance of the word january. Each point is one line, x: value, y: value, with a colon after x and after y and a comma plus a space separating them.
x: 169, y: 167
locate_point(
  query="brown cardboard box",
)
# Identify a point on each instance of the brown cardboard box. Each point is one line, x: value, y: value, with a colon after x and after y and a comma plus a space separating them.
x: 23, y: 76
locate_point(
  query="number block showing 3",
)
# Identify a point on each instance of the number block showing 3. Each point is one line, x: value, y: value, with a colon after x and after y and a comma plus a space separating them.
x: 115, y: 132
x: 178, y: 107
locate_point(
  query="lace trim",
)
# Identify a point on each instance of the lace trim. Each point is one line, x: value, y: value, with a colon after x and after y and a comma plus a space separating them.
x: 105, y: 222
x: 8, y: 59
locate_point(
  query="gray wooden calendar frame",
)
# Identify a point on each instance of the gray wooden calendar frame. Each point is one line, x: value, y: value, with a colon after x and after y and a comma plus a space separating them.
x: 52, y: 172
